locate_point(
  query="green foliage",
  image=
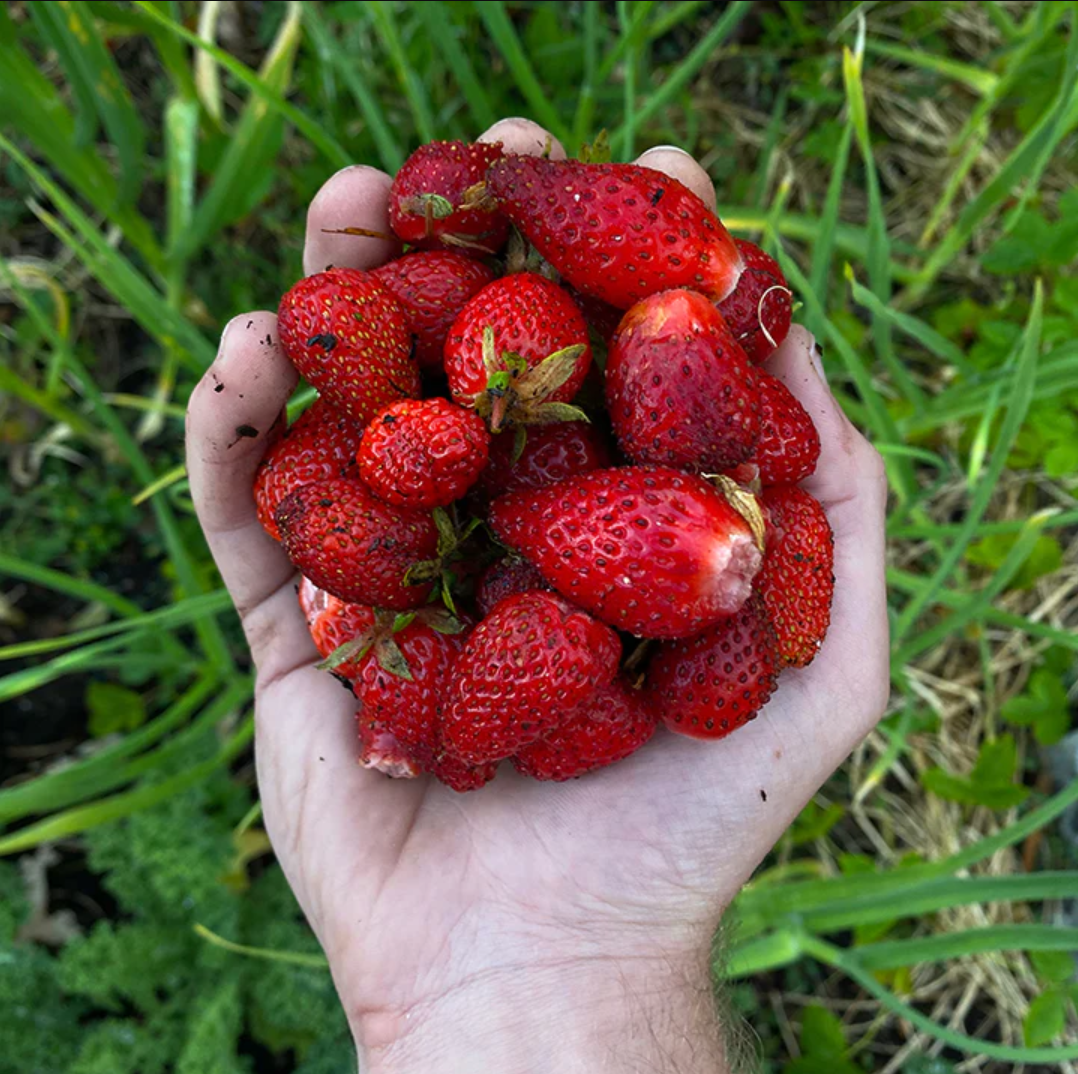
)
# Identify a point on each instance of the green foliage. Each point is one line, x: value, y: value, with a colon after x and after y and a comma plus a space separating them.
x: 113, y: 708
x: 1044, y: 705
x: 991, y: 783
x: 823, y: 1045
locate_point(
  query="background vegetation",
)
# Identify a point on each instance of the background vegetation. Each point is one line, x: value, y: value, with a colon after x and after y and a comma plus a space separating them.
x: 913, y: 165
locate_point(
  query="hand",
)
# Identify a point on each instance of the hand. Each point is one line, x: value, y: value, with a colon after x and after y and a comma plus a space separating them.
x: 528, y: 926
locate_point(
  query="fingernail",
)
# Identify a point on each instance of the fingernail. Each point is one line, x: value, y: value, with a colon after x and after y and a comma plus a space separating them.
x: 666, y: 148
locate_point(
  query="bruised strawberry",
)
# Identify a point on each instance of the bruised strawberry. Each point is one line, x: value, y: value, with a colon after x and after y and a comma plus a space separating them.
x: 347, y: 335
x: 334, y: 622
x: 710, y: 685
x: 789, y: 445
x: 354, y: 546
x: 432, y: 287
x: 423, y: 453
x: 506, y: 578
x: 618, y: 232
x: 426, y: 197
x: 679, y: 389
x: 612, y: 724
x: 759, y: 308
x: 381, y: 751
x: 649, y: 550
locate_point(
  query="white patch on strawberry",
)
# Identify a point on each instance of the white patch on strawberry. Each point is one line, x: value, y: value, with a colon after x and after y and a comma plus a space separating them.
x: 734, y: 562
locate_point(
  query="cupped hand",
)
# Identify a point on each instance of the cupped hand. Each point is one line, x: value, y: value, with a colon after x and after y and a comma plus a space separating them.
x: 527, y: 926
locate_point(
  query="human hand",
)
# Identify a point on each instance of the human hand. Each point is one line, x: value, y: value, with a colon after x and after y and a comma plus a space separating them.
x: 529, y: 926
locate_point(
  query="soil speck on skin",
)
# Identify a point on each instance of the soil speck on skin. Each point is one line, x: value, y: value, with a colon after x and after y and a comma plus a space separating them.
x: 248, y: 431
x: 219, y: 387
x: 249, y: 323
x: 763, y: 795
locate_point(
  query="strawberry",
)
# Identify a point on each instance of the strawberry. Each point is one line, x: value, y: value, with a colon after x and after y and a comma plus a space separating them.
x: 426, y: 196
x: 678, y: 387
x: 518, y: 346
x: 347, y: 336
x: 461, y: 777
x: 432, y: 287
x: 796, y: 580
x: 615, y: 722
x: 319, y: 444
x: 708, y: 686
x: 506, y: 578
x: 659, y: 553
x: 619, y: 232
x: 789, y: 444
x: 354, y: 546
x: 758, y: 309
x: 381, y: 751
x: 532, y: 659
x: 551, y: 453
x: 334, y: 622
x: 422, y: 453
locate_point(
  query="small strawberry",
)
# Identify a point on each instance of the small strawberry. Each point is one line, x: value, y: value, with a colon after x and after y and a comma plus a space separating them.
x: 659, y: 553
x: 334, y: 622
x: 432, y: 287
x: 615, y: 722
x: 532, y: 659
x: 506, y: 578
x: 461, y: 777
x: 320, y: 444
x: 347, y: 335
x: 422, y: 453
x: 426, y: 196
x: 708, y: 686
x: 797, y: 579
x: 789, y: 445
x: 518, y: 348
x: 759, y: 308
x: 678, y: 387
x: 381, y: 751
x: 619, y: 232
x: 353, y: 545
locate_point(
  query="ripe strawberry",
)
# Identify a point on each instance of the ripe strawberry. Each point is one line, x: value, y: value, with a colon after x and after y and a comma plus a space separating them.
x: 659, y: 553
x: 422, y: 453
x: 708, y: 686
x: 796, y: 580
x: 789, y: 444
x: 426, y: 195
x: 551, y: 453
x: 679, y: 389
x: 432, y: 287
x: 506, y: 578
x: 334, y: 622
x: 619, y: 232
x: 461, y: 777
x: 759, y: 308
x: 320, y: 444
x: 615, y: 722
x: 518, y: 346
x: 532, y: 659
x: 347, y: 336
x: 354, y: 546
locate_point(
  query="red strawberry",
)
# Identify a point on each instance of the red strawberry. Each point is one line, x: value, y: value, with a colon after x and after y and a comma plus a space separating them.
x: 334, y: 622
x: 381, y: 751
x: 797, y: 580
x: 619, y: 232
x: 506, y: 578
x: 347, y: 336
x: 789, y: 444
x: 320, y: 444
x: 606, y: 728
x: 551, y: 453
x: 649, y: 550
x: 422, y: 453
x: 426, y: 195
x: 461, y: 777
x: 518, y: 345
x: 708, y: 686
x: 532, y: 659
x: 432, y: 287
x: 354, y: 546
x: 759, y: 308
x: 678, y: 387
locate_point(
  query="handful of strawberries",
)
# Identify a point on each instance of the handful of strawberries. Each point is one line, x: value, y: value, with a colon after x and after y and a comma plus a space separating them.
x: 547, y: 498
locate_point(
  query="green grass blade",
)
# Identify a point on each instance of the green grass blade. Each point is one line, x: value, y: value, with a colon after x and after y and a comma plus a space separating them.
x: 79, y: 588
x: 265, y: 954
x: 585, y: 105
x: 893, y: 954
x: 385, y: 24
x: 977, y: 78
x: 626, y: 144
x: 181, y: 157
x: 49, y: 405
x: 627, y: 43
x: 772, y: 134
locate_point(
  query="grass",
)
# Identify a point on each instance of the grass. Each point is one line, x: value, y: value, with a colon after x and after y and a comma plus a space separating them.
x: 913, y: 167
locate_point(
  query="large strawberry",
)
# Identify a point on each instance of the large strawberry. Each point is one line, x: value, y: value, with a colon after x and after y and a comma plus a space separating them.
x: 708, y: 686
x: 348, y: 336
x: 679, y: 389
x: 427, y: 195
x: 422, y: 453
x: 659, y: 553
x: 528, y: 663
x: 432, y: 287
x: 789, y: 444
x: 615, y: 722
x: 516, y: 350
x: 354, y: 546
x: 758, y: 309
x: 320, y: 444
x: 797, y: 579
x: 619, y: 232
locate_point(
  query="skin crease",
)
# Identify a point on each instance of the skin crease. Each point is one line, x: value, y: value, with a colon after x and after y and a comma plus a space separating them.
x: 526, y: 927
